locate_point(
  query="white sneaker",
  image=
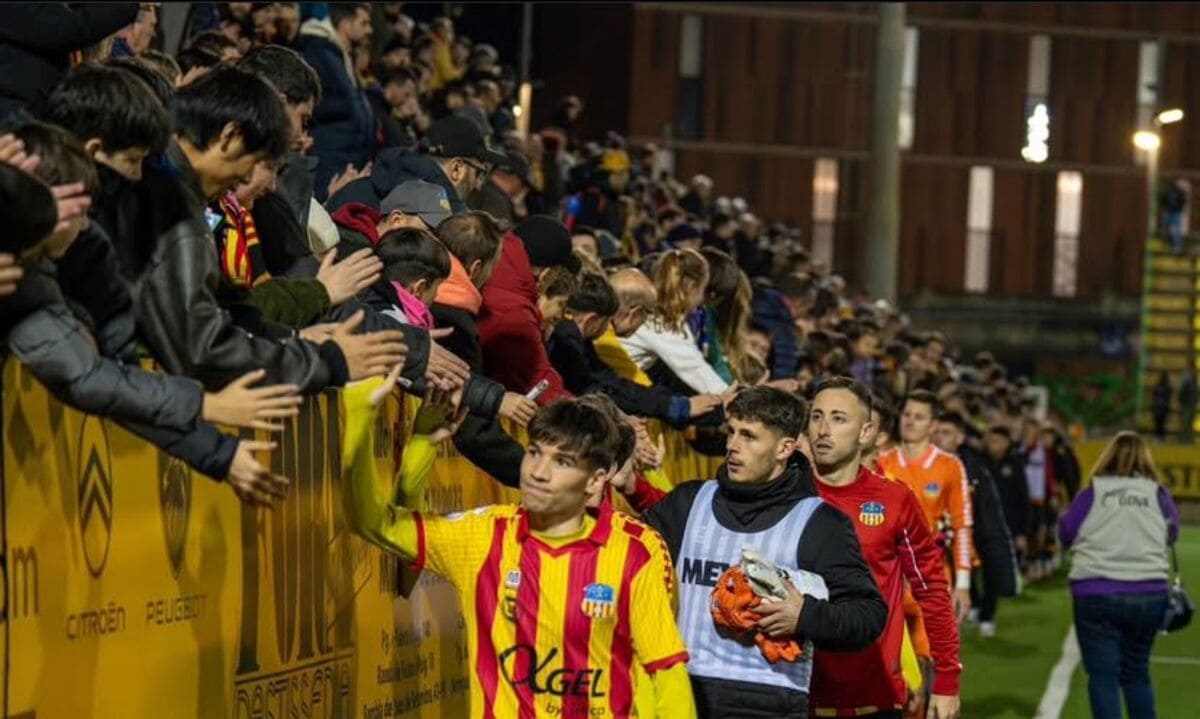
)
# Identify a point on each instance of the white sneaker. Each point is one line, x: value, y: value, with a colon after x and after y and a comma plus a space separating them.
x: 987, y: 630
x: 973, y: 616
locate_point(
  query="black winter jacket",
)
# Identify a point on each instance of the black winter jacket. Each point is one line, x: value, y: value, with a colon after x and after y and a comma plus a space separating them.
x: 37, y: 39
x: 482, y: 396
x: 769, y: 309
x: 392, y: 167
x: 852, y: 617
x: 992, y: 539
x: 583, y: 371
x: 1009, y: 473
x: 480, y: 439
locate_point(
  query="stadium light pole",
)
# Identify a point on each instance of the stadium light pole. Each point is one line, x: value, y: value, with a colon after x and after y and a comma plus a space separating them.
x: 883, y: 219
x: 1149, y: 142
x: 524, y: 107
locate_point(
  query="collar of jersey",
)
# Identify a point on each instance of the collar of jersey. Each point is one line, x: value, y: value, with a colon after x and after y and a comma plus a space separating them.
x: 598, y: 536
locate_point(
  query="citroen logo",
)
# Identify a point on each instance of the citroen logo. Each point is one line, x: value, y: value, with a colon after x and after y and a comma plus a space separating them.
x: 95, y: 494
x: 175, y: 498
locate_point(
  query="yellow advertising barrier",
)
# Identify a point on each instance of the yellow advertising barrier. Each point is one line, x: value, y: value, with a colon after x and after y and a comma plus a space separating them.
x: 1179, y: 465
x: 136, y: 588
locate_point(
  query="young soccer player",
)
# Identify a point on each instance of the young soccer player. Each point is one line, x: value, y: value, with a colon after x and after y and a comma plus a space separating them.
x: 940, y: 483
x: 550, y: 589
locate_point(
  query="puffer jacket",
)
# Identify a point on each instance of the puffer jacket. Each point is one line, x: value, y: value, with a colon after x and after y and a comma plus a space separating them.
x: 583, y: 371
x: 481, y: 395
x: 42, y: 332
x: 510, y: 326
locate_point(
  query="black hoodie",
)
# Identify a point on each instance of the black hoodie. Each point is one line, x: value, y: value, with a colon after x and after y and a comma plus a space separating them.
x: 855, y: 613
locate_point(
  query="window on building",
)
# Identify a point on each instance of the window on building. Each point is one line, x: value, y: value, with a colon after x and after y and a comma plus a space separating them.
x: 1068, y: 210
x: 979, y: 229
x: 825, y: 194
x: 1037, y: 108
x: 908, y: 88
x: 691, y: 46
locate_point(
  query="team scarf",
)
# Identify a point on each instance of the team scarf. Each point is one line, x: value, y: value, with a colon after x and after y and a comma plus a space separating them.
x: 241, y: 255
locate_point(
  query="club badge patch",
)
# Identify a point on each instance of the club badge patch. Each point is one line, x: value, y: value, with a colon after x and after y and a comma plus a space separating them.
x: 933, y: 489
x: 871, y: 514
x: 598, y: 602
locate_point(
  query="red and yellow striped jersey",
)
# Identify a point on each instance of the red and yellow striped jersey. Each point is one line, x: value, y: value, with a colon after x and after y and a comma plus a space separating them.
x: 552, y: 625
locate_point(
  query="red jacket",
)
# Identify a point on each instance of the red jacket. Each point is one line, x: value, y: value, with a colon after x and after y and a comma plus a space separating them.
x: 510, y: 327
x: 897, y: 544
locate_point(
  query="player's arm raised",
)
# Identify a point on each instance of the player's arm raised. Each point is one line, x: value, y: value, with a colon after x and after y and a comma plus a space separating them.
x: 368, y: 510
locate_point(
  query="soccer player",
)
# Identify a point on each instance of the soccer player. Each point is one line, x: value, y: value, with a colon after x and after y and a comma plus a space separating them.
x: 940, y: 483
x: 559, y: 603
x: 897, y: 544
x: 764, y: 497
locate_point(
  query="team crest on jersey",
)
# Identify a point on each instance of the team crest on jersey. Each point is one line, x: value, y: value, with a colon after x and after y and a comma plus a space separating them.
x: 598, y: 601
x: 871, y: 513
x: 932, y: 489
x: 512, y: 580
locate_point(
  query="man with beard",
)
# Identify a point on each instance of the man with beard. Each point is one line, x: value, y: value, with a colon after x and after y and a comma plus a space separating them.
x: 897, y: 545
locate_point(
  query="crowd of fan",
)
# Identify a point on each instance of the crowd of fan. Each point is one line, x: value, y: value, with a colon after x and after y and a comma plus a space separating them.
x: 285, y: 206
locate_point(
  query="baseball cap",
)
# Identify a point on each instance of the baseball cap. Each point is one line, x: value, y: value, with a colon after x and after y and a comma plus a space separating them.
x: 547, y: 243
x: 417, y: 197
x: 458, y: 136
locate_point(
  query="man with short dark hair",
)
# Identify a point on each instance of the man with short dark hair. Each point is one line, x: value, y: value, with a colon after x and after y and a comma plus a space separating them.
x: 118, y: 118
x: 541, y: 580
x: 225, y: 124
x: 764, y: 496
x: 897, y: 545
x: 940, y: 483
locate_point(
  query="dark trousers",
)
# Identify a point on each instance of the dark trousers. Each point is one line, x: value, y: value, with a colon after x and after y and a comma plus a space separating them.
x: 985, y: 593
x: 727, y: 699
x: 1115, y: 635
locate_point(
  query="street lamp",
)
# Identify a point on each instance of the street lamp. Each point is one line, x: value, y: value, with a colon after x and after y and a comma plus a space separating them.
x: 1166, y: 117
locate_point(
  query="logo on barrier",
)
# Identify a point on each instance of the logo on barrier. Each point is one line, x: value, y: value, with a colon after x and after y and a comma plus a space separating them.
x: 95, y: 484
x: 175, y: 498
